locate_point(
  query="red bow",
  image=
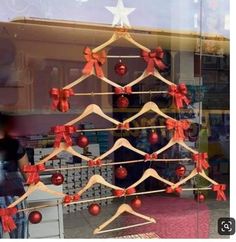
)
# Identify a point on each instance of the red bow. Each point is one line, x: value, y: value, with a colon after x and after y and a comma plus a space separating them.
x: 33, y: 171
x: 92, y: 163
x: 151, y: 156
x: 123, y: 126
x: 201, y: 162
x: 95, y: 60
x: 154, y: 58
x: 71, y: 198
x: 120, y: 193
x: 63, y: 132
x: 8, y: 223
x: 219, y: 188
x: 125, y: 90
x: 179, y: 127
x: 60, y: 99
x: 179, y: 95
x: 171, y: 190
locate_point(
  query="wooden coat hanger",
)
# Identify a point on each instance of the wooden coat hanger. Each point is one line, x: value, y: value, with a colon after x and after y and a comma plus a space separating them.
x: 63, y: 147
x: 98, y: 179
x: 160, y: 77
x: 119, y: 143
x: 34, y: 187
x: 117, y: 35
x: 150, y: 173
x: 123, y: 208
x: 149, y: 106
x: 93, y: 108
x: 171, y: 143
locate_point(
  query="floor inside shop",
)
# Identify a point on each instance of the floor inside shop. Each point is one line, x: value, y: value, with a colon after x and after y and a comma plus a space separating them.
x: 81, y: 224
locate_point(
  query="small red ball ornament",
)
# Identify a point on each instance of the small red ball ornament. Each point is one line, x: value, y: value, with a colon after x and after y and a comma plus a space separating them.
x: 180, y: 170
x: 35, y: 217
x: 121, y: 172
x: 200, y: 198
x: 120, y: 69
x: 118, y: 193
x: 153, y: 138
x: 136, y: 203
x: 83, y: 141
x: 94, y: 209
x: 57, y: 179
x: 122, y: 102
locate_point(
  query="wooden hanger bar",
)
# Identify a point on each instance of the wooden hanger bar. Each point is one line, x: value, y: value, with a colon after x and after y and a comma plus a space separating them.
x: 113, y: 93
x: 149, y: 106
x: 160, y: 77
x: 125, y: 227
x: 117, y: 35
x: 121, y: 143
x: 115, y: 129
x: 124, y: 56
x: 123, y: 208
x: 115, y: 163
x: 90, y: 109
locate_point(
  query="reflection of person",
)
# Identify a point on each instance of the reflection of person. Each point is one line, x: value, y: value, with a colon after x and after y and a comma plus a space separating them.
x: 12, y: 158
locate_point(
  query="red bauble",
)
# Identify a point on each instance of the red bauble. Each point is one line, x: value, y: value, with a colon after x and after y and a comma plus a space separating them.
x: 200, y: 197
x: 35, y: 217
x: 121, y: 69
x: 153, y: 138
x: 94, y: 209
x: 57, y: 179
x: 180, y: 170
x: 121, y: 172
x: 83, y: 141
x: 136, y: 203
x: 122, y: 102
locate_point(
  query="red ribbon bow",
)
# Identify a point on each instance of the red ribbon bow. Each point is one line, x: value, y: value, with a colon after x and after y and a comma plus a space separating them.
x: 171, y: 190
x: 179, y: 95
x: 179, y: 127
x: 60, y: 99
x: 92, y: 163
x: 63, y: 132
x: 8, y: 223
x: 95, y: 60
x: 123, y: 126
x: 33, y: 171
x: 125, y: 90
x: 151, y: 156
x: 71, y: 198
x: 201, y: 162
x: 154, y: 58
x: 128, y: 191
x: 219, y: 188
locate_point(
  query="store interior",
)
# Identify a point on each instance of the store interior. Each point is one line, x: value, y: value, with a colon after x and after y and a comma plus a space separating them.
x: 38, y: 55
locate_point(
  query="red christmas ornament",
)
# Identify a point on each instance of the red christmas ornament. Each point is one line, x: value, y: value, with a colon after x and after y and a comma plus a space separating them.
x: 180, y: 170
x: 136, y: 203
x: 121, y: 172
x: 122, y: 102
x: 35, y: 217
x: 200, y: 197
x: 57, y: 179
x: 83, y: 141
x: 94, y: 209
x: 153, y: 138
x: 120, y: 69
